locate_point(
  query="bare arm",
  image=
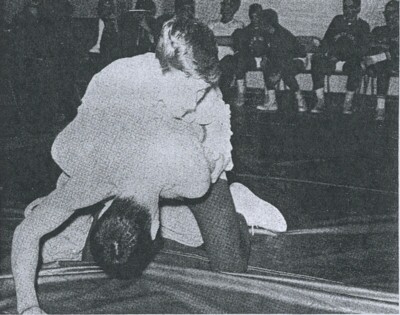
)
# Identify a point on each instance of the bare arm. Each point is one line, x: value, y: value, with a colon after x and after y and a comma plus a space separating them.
x: 54, y: 210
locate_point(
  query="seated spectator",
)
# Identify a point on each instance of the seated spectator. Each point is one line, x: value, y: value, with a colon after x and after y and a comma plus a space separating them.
x: 138, y: 29
x: 108, y: 42
x: 383, y: 58
x: 279, y: 61
x: 183, y: 8
x: 250, y: 43
x: 223, y: 29
x: 344, y: 45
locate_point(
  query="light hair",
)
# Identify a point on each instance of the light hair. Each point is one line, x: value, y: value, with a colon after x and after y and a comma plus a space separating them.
x: 188, y: 45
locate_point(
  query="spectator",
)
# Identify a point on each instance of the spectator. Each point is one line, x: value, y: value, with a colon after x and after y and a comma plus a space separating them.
x: 108, y: 42
x: 279, y: 61
x: 383, y: 59
x: 344, y: 45
x: 250, y: 43
x: 183, y: 8
x: 223, y: 29
x: 138, y: 29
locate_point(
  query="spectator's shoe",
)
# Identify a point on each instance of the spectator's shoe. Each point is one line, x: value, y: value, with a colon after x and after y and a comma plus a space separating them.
x: 301, y: 103
x: 320, y: 107
x: 269, y: 107
x: 95, y: 49
x: 257, y: 212
x: 380, y: 114
x: 240, y: 99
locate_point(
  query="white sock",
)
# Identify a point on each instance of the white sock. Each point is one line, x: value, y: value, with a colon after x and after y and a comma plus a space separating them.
x: 349, y: 96
x: 320, y: 93
x: 380, y: 104
x: 241, y: 86
x: 270, y: 95
x: 378, y: 58
x: 101, y: 30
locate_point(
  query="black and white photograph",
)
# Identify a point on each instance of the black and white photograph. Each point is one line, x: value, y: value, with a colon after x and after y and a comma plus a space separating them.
x: 199, y: 157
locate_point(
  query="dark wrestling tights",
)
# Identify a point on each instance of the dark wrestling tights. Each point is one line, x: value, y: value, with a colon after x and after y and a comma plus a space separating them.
x: 225, y: 232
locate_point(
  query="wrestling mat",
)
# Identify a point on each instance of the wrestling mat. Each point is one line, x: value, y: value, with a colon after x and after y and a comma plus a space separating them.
x: 300, y: 271
x: 334, y: 179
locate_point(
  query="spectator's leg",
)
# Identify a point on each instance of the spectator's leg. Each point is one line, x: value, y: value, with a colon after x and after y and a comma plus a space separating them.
x: 354, y: 72
x: 244, y: 63
x: 383, y: 79
x: 289, y: 70
x: 228, y: 68
x: 320, y: 66
x: 271, y: 78
x: 225, y: 232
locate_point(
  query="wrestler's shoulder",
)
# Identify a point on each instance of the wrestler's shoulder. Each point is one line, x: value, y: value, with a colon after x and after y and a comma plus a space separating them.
x: 142, y: 63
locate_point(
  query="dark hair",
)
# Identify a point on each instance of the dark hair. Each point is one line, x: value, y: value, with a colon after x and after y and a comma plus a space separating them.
x: 391, y: 7
x: 357, y: 3
x: 235, y: 4
x: 120, y: 241
x: 188, y: 45
x: 254, y: 8
x: 270, y: 17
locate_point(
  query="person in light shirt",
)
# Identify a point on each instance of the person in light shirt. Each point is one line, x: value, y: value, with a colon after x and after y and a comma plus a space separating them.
x: 132, y: 145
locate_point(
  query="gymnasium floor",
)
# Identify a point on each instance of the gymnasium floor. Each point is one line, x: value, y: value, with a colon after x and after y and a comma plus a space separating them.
x: 335, y: 179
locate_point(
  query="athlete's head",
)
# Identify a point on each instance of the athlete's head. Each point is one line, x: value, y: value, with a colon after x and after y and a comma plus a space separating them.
x: 228, y: 9
x: 189, y: 46
x: 120, y: 242
x: 391, y: 14
x: 269, y: 20
x: 351, y: 9
x: 254, y: 13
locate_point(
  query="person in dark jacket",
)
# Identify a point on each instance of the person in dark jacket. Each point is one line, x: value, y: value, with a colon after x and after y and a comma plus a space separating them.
x: 280, y: 61
x: 249, y: 42
x: 223, y: 29
x: 110, y: 49
x: 138, y: 29
x: 344, y: 45
x: 383, y: 57
x: 182, y: 8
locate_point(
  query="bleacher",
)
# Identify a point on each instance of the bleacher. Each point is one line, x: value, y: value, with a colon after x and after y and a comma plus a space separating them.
x: 335, y: 83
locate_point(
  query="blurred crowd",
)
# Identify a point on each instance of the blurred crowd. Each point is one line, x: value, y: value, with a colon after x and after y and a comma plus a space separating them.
x: 49, y: 70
